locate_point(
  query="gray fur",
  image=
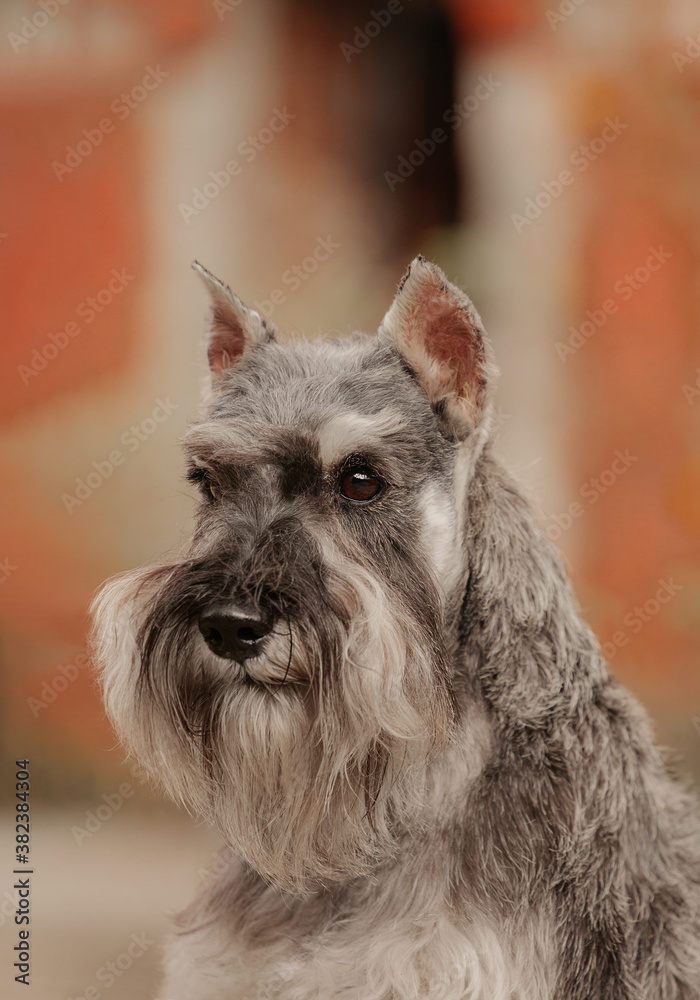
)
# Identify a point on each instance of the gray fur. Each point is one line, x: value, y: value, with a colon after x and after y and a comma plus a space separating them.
x: 432, y: 784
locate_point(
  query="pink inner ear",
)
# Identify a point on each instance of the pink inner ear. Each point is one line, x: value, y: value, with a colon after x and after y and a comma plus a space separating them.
x: 450, y: 339
x: 444, y: 373
x: 226, y: 339
x: 224, y: 348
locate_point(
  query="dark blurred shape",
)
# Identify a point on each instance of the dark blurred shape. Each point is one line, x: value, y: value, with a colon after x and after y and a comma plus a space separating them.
x: 383, y: 102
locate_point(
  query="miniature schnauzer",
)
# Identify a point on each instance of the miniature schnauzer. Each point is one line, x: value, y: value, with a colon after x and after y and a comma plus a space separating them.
x: 370, y: 674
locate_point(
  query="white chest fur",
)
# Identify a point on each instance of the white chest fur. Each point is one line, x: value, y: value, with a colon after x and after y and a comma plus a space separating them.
x: 360, y: 957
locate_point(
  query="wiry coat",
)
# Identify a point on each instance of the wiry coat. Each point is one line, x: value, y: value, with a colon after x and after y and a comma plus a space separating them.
x: 432, y: 784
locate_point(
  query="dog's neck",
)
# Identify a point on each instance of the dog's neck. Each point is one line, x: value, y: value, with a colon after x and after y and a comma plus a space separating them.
x: 517, y: 605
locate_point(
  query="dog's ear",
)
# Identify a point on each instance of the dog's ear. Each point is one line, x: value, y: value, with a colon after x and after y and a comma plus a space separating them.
x: 437, y: 330
x: 232, y: 327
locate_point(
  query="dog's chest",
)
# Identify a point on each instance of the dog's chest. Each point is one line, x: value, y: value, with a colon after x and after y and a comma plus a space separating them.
x: 407, y: 958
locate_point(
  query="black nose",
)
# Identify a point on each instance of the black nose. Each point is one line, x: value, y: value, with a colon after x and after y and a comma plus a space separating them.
x: 234, y: 633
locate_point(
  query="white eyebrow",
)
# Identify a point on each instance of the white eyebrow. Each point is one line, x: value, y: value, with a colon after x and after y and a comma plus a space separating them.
x: 351, y: 431
x: 227, y: 441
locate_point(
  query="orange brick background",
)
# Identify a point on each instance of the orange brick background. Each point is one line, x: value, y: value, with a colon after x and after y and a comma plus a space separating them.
x: 227, y: 68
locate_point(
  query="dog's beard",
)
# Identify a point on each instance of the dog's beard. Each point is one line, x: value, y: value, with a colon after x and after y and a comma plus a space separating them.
x: 311, y: 758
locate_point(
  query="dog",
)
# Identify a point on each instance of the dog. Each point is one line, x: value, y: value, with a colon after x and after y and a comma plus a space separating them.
x: 370, y: 674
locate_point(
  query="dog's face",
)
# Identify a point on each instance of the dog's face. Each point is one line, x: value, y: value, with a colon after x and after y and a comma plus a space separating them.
x: 290, y: 679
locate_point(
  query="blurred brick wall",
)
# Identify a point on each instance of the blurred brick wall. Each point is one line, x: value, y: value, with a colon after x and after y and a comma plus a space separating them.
x: 620, y: 390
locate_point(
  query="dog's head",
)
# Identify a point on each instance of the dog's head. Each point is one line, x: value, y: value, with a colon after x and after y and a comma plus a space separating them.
x: 290, y: 679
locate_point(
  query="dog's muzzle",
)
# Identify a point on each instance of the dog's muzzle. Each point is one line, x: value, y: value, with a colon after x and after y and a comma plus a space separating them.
x: 234, y: 633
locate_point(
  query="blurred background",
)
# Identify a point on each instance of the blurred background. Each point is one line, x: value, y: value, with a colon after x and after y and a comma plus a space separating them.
x: 545, y: 153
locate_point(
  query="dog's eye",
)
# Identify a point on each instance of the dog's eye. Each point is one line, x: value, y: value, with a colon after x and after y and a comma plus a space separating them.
x: 201, y: 478
x: 360, y: 485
